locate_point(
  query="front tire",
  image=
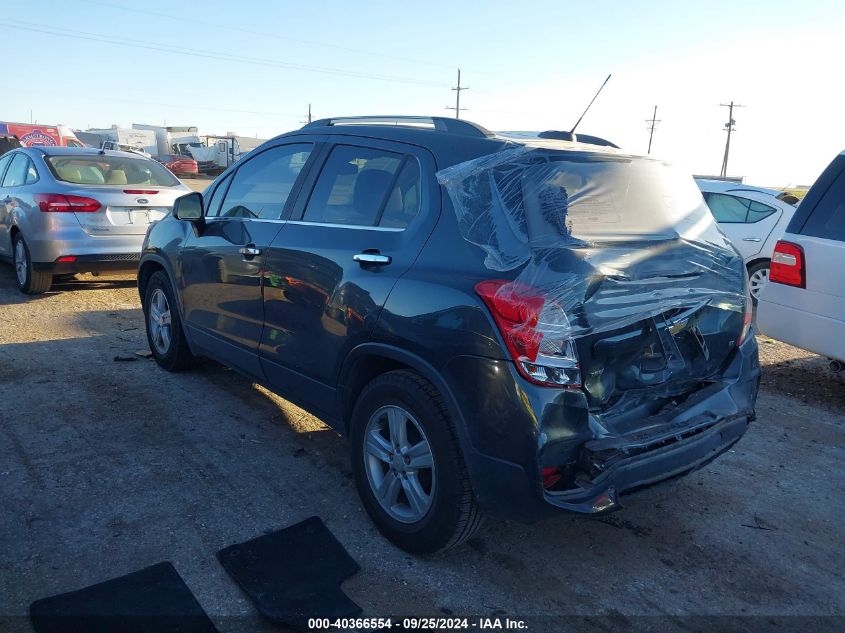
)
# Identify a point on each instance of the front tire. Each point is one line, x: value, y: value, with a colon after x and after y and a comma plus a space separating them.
x: 164, y: 326
x: 29, y: 280
x: 408, y: 466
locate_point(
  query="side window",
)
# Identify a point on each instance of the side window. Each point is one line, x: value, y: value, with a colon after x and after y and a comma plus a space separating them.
x: 212, y: 207
x: 3, y: 162
x: 261, y: 186
x: 727, y: 208
x: 827, y: 220
x: 403, y: 203
x: 353, y: 186
x: 758, y: 211
x: 16, y: 174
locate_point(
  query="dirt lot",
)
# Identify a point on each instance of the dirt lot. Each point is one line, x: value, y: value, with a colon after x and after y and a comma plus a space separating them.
x: 107, y: 466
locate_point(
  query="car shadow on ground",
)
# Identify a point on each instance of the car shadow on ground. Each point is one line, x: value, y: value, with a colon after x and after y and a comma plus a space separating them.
x: 79, y: 283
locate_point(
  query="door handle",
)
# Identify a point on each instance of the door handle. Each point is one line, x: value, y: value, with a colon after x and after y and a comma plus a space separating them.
x: 249, y: 251
x: 373, y: 258
x: 751, y: 239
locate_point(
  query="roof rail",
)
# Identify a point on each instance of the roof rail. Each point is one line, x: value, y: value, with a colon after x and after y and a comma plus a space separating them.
x: 576, y: 138
x: 443, y: 124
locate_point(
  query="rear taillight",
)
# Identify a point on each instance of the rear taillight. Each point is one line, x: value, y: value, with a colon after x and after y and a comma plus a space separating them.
x: 535, y: 332
x: 62, y: 203
x: 141, y: 192
x: 787, y: 265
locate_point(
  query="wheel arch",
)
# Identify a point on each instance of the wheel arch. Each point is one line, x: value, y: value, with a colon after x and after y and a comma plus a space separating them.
x: 370, y: 360
x: 757, y: 260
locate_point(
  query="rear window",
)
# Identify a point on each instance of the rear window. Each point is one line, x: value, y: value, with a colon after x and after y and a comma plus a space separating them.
x: 109, y: 170
x: 517, y: 200
x: 828, y: 218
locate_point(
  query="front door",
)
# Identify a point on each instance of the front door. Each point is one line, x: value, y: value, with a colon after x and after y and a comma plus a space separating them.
x: 330, y: 270
x: 222, y: 260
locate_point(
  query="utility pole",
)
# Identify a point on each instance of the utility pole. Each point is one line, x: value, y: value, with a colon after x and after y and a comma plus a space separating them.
x: 308, y: 116
x: 652, y: 123
x: 729, y: 126
x: 457, y: 108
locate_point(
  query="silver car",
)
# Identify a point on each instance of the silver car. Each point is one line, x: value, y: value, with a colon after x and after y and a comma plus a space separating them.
x: 74, y: 210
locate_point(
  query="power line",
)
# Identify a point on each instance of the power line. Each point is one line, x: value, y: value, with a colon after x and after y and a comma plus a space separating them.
x: 276, y: 36
x: 729, y: 126
x: 652, y: 123
x: 192, y: 52
x: 458, y: 90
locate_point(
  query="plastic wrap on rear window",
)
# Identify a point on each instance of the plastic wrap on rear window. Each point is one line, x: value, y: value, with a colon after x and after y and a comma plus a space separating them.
x: 607, y: 239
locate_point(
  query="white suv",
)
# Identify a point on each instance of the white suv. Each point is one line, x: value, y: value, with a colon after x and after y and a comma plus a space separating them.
x: 804, y: 303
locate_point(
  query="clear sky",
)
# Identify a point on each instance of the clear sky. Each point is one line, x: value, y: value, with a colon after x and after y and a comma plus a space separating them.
x: 252, y: 67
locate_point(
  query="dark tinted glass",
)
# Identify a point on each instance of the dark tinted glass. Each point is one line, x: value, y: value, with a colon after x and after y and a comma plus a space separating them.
x: 403, y: 204
x: 261, y: 186
x: 828, y: 218
x: 212, y: 205
x: 353, y: 186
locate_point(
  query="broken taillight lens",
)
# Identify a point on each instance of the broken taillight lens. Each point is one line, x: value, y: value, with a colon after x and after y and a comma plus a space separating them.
x: 535, y: 332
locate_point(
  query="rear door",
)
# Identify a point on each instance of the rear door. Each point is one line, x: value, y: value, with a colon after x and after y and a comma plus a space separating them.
x: 747, y: 222
x: 358, y: 226
x: 6, y: 206
x: 222, y: 260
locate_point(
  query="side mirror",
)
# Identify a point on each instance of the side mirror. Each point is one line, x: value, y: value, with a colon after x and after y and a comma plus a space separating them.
x: 188, y: 207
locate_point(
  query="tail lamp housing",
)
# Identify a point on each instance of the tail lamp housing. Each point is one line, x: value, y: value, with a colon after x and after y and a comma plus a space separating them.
x: 788, y: 265
x: 535, y: 332
x: 66, y: 203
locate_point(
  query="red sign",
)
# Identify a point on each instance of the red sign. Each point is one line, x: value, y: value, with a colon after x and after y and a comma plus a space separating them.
x: 33, y: 135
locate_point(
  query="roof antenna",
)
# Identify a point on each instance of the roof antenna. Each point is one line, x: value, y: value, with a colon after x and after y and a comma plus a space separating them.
x: 572, y: 131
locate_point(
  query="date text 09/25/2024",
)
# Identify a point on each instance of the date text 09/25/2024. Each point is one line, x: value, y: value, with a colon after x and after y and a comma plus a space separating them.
x: 418, y: 624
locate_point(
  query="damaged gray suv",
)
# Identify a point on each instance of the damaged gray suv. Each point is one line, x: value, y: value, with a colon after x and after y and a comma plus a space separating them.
x: 505, y: 325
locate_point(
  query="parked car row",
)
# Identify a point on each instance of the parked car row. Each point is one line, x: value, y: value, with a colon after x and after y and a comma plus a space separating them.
x: 73, y: 210
x: 505, y: 325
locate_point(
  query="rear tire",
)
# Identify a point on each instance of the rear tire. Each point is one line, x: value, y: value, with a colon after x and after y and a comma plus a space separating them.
x: 164, y: 326
x: 758, y: 277
x: 29, y: 280
x: 439, y: 510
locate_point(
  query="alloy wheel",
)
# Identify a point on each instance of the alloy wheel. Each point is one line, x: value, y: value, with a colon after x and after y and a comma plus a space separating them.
x: 160, y: 322
x: 399, y: 464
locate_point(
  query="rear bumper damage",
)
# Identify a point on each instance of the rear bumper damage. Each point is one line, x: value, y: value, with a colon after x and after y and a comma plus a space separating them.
x: 511, y: 445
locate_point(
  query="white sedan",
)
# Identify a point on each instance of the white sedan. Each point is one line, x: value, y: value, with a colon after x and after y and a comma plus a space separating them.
x: 754, y: 219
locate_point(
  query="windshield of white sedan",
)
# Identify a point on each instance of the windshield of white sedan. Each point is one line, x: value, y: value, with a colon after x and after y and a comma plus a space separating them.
x: 110, y: 170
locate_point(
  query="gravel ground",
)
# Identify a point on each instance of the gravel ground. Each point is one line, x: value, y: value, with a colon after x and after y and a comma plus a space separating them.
x: 107, y: 466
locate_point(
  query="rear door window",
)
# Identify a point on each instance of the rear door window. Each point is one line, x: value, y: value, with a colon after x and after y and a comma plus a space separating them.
x: 758, y: 211
x: 356, y: 187
x: 828, y: 218
x: 728, y: 209
x: 261, y: 186
x: 31, y: 173
x: 16, y: 174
